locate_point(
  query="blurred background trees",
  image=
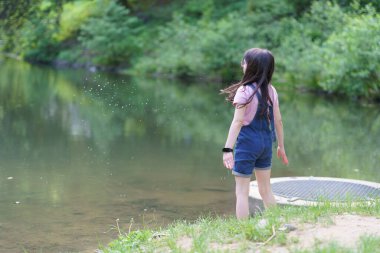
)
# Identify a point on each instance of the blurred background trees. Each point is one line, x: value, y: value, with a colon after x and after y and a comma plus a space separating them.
x: 330, y: 46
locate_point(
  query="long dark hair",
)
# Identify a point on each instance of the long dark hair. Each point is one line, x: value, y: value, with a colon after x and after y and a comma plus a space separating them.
x: 260, y: 68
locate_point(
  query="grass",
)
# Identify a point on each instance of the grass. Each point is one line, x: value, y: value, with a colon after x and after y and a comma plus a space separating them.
x: 368, y: 244
x: 221, y: 234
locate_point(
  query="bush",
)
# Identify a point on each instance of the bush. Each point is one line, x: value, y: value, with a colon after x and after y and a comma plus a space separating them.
x: 351, y: 58
x: 175, y: 50
x: 334, y: 50
x: 112, y: 37
x: 297, y: 55
x: 73, y: 15
x: 212, y: 47
x: 36, y: 38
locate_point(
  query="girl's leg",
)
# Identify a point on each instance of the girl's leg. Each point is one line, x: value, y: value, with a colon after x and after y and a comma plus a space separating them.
x: 265, y: 190
x: 242, y: 191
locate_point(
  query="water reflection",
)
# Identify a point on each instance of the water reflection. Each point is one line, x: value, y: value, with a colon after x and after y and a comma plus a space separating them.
x: 86, y: 148
x: 328, y: 137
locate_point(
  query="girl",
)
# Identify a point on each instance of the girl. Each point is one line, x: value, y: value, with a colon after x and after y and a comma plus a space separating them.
x: 257, y: 115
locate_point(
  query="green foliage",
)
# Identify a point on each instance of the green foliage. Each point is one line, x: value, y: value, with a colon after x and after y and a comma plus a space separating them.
x: 132, y: 242
x: 329, y: 50
x: 212, y: 48
x: 36, y: 37
x: 294, y: 56
x: 111, y: 37
x: 72, y: 55
x: 73, y: 15
x: 323, y: 19
x: 222, y: 46
x: 350, y: 60
x: 271, y: 20
x: 369, y: 244
x: 174, y: 51
x: 319, y: 45
x: 362, y: 3
x: 12, y: 18
x: 302, y: 6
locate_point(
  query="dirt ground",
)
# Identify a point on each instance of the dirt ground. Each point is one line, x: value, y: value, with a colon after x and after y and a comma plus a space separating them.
x: 344, y: 229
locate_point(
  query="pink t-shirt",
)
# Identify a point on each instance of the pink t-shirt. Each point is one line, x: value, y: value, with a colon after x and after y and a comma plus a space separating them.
x: 242, y: 95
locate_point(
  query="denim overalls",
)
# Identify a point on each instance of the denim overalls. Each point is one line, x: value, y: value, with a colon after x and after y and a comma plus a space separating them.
x: 253, y: 149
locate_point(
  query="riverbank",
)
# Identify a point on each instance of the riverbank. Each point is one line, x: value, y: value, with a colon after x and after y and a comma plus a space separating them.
x: 319, y: 45
x: 322, y: 228
x: 280, y: 83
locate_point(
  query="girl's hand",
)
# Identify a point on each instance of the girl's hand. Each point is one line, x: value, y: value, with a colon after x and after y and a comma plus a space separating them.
x: 228, y: 160
x: 281, y: 154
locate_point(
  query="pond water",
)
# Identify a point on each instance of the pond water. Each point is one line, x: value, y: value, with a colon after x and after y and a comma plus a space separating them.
x: 82, y: 151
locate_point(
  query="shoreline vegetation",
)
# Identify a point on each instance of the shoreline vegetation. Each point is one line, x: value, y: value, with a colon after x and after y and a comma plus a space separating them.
x: 326, y: 46
x: 321, y: 228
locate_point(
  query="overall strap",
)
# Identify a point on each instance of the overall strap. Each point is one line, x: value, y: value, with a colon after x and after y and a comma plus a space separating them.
x: 258, y: 95
x: 261, y: 104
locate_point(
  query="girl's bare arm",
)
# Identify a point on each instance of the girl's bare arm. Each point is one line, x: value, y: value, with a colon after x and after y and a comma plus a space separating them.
x: 278, y: 125
x: 280, y: 134
x: 237, y: 123
x: 235, y: 127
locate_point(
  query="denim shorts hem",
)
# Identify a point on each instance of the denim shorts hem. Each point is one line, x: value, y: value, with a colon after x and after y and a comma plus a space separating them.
x: 265, y: 168
x: 238, y: 174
